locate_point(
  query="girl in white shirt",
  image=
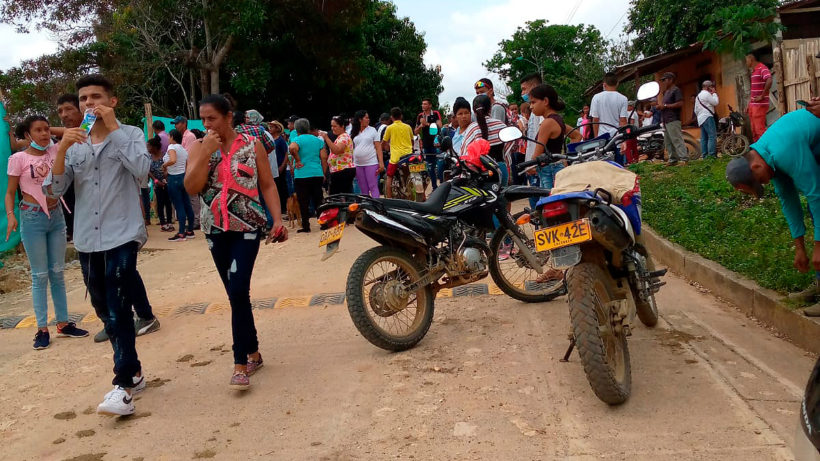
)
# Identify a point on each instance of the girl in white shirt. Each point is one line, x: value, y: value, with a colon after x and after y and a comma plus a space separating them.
x: 174, y: 163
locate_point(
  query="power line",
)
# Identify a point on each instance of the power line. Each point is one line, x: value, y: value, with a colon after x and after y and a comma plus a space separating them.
x: 617, y: 23
x: 574, y: 10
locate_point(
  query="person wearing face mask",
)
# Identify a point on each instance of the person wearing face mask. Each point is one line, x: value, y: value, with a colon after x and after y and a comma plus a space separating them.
x: 42, y: 228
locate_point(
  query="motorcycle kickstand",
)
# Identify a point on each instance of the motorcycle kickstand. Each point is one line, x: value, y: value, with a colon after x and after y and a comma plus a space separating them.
x: 569, y: 351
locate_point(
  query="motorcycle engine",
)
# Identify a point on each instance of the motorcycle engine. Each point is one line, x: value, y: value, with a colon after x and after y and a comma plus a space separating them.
x: 473, y: 259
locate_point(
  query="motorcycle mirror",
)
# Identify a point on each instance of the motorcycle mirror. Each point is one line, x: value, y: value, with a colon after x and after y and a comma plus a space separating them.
x: 648, y: 91
x: 446, y: 143
x: 510, y: 133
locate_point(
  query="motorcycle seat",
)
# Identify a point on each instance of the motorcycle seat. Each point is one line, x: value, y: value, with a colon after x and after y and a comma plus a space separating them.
x: 514, y: 193
x: 434, y: 204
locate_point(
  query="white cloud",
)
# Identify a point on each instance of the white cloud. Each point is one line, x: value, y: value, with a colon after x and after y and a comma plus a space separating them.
x: 461, y: 39
x: 19, y: 47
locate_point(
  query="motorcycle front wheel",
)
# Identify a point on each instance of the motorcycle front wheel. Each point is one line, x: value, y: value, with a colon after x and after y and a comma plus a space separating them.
x: 735, y: 145
x: 513, y: 274
x: 383, y: 311
x: 603, y: 351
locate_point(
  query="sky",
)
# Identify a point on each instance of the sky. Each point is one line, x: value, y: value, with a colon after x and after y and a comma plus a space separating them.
x: 460, y: 38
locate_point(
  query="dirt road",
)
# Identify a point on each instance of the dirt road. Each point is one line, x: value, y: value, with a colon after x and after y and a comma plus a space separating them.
x: 485, y: 383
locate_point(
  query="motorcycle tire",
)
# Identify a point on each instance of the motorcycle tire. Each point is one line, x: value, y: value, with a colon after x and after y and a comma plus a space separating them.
x: 735, y: 145
x: 647, y: 310
x: 692, y: 147
x: 366, y: 316
x: 510, y: 288
x: 605, y: 357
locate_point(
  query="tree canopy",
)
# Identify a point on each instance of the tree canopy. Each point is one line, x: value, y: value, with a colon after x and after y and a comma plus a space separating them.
x: 314, y: 58
x: 570, y: 58
x: 730, y: 25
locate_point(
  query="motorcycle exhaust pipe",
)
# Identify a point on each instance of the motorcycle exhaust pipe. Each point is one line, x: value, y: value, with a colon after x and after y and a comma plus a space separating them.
x: 608, y: 230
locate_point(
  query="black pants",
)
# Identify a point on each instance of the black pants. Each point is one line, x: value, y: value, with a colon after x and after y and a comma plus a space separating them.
x: 341, y: 182
x: 234, y: 254
x: 164, y: 209
x: 110, y: 276
x: 282, y: 189
x: 308, y: 190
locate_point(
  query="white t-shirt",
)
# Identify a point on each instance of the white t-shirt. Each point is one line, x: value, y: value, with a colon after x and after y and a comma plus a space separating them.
x: 608, y: 107
x: 364, y: 151
x: 706, y: 99
x: 532, y: 133
x: 182, y: 159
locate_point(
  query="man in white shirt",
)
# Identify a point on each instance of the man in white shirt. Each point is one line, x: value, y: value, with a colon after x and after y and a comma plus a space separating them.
x: 608, y: 110
x: 705, y: 104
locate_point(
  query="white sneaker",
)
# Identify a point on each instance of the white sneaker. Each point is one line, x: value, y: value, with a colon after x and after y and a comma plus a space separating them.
x: 117, y: 403
x: 139, y: 386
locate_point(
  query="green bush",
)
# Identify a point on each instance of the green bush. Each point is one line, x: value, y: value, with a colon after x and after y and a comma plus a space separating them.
x: 695, y: 207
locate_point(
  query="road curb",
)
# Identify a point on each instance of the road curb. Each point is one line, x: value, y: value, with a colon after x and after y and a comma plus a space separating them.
x: 747, y: 295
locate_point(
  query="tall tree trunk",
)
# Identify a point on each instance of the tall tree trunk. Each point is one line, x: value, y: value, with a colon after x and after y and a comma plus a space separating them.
x: 204, y: 81
x: 192, y: 84
x: 215, y: 81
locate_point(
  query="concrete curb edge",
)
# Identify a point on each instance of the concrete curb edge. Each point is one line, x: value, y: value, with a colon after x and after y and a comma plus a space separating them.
x: 749, y: 297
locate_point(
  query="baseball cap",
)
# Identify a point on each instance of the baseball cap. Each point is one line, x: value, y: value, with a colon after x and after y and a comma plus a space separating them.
x: 739, y: 172
x: 670, y: 75
x: 179, y: 119
x: 293, y: 118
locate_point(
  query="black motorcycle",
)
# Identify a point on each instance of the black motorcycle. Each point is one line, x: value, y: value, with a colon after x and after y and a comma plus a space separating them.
x: 430, y: 246
x: 729, y: 141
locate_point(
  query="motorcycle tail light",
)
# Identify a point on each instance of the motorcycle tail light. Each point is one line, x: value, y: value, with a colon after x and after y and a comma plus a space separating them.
x: 553, y: 209
x: 328, y: 215
x: 353, y: 207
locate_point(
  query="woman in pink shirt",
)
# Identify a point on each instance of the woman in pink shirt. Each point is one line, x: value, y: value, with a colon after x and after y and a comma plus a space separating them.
x: 42, y: 228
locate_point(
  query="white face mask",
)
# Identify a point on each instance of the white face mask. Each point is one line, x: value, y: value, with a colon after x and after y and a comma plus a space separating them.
x: 39, y: 147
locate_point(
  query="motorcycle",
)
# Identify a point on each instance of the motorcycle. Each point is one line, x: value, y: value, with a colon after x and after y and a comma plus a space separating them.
x: 412, y: 179
x: 426, y: 247
x: 594, y: 234
x: 731, y: 143
x: 651, y: 144
x: 807, y: 439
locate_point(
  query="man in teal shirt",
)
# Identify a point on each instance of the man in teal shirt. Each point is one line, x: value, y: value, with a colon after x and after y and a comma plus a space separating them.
x: 787, y: 155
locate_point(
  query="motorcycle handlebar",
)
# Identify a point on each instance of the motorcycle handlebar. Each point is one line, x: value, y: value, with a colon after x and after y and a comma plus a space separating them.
x: 647, y: 129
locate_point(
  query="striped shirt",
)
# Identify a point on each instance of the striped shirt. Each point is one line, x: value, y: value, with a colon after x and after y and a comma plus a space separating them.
x: 494, y: 126
x: 759, y: 76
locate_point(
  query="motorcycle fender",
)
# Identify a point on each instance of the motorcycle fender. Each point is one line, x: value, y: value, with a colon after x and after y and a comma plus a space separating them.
x: 418, y: 182
x: 395, y: 226
x: 566, y: 257
x: 625, y: 220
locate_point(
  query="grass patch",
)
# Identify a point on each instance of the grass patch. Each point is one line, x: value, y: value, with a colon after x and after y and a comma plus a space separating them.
x: 695, y: 207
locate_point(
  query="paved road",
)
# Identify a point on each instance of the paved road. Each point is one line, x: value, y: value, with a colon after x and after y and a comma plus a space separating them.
x: 485, y: 383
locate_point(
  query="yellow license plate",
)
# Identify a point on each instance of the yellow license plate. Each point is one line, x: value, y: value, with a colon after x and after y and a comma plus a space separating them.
x: 331, y: 235
x: 563, y: 235
x: 418, y: 167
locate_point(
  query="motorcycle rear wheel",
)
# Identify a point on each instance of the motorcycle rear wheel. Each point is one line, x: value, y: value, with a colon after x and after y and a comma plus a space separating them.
x: 735, y: 145
x: 604, y: 353
x: 513, y: 275
x: 382, y: 312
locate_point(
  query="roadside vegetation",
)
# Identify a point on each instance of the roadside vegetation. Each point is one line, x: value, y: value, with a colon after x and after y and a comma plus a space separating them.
x: 695, y: 207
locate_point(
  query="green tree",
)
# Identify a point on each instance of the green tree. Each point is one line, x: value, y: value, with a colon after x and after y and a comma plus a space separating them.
x: 570, y: 58
x: 665, y: 25
x: 733, y: 29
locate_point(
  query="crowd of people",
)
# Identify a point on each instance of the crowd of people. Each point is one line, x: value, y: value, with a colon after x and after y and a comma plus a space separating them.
x: 91, y: 181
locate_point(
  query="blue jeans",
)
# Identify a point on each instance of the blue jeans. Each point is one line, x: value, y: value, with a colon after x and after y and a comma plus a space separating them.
x: 109, y: 276
x: 708, y: 138
x: 505, y: 173
x: 619, y: 157
x: 546, y: 175
x: 44, y: 242
x: 532, y: 180
x: 181, y: 201
x: 432, y: 161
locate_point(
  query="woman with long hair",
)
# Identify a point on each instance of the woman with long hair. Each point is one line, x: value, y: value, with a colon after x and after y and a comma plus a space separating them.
x: 340, y: 157
x: 175, y: 161
x: 367, y: 154
x: 42, y: 228
x: 229, y: 171
x: 545, y: 103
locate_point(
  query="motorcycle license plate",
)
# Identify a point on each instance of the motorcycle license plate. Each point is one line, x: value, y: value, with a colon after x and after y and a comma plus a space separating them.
x: 331, y: 235
x: 562, y: 235
x: 418, y: 167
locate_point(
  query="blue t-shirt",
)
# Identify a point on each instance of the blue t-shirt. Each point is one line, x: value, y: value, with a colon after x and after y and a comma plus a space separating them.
x: 791, y: 146
x: 281, y: 147
x: 309, y: 153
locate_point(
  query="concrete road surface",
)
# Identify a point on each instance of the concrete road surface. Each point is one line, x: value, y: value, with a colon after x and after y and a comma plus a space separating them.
x: 486, y: 383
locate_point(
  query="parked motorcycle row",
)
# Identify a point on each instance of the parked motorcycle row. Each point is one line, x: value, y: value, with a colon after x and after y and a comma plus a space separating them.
x: 463, y: 233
